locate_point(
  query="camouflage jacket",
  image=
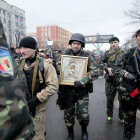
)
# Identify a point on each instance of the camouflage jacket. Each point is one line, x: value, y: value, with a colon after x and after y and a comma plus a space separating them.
x: 15, y: 119
x: 51, y: 80
x: 124, y: 64
x: 109, y: 59
x: 68, y: 93
x: 120, y: 67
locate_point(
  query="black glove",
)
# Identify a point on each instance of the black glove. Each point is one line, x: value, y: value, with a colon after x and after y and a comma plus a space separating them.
x: 32, y: 105
x: 130, y: 77
x: 33, y: 102
x: 77, y: 84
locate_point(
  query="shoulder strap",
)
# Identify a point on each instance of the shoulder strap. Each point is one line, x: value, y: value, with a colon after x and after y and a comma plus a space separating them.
x: 34, y: 74
x: 22, y: 64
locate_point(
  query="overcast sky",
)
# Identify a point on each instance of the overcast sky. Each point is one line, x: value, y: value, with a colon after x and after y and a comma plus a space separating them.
x: 83, y: 16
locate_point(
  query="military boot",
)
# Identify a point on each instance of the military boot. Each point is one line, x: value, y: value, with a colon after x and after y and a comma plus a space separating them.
x: 70, y: 133
x: 84, y: 132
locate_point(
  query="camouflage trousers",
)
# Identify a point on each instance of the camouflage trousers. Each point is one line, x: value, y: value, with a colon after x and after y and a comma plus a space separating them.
x: 78, y: 109
x: 130, y: 109
x: 39, y: 122
x: 111, y: 91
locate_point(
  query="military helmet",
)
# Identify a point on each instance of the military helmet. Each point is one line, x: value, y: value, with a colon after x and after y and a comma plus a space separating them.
x: 77, y: 37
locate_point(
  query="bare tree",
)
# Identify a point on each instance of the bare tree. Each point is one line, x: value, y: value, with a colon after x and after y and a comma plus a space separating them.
x: 134, y: 13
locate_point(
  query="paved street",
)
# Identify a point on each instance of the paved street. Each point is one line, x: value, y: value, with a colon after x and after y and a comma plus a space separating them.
x: 98, y: 129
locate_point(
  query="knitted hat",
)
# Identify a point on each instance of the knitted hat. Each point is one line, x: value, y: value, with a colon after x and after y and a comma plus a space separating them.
x: 28, y: 42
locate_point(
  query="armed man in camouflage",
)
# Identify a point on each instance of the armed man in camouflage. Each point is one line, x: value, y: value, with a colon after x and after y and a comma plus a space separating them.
x: 42, y: 83
x: 128, y: 69
x: 15, y: 119
x: 107, y: 63
x: 74, y: 100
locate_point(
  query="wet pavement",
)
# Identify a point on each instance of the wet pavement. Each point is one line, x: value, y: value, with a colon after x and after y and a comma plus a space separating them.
x: 98, y: 128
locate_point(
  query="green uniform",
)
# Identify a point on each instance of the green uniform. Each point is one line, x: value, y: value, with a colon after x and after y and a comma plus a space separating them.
x: 15, y: 119
x: 73, y: 100
x: 108, y: 61
x: 126, y: 63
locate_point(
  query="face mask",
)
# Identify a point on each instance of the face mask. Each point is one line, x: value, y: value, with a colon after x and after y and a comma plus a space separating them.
x: 6, y: 64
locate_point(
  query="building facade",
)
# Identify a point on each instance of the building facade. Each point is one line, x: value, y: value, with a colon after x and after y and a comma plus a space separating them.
x: 13, y: 19
x: 53, y: 36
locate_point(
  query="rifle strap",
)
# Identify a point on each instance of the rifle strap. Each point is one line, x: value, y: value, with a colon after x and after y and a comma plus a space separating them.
x: 35, y: 74
x: 22, y: 64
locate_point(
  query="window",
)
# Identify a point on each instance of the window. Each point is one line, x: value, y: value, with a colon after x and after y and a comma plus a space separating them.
x: 16, y: 17
x: 21, y: 19
x: 17, y: 25
x: 4, y: 20
x: 5, y: 29
x: 4, y: 13
x: 21, y: 26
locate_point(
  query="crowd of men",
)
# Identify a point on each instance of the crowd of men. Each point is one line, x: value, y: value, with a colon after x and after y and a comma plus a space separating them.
x: 32, y: 77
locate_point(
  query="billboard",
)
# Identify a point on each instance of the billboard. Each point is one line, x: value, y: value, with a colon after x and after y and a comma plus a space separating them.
x: 98, y: 38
